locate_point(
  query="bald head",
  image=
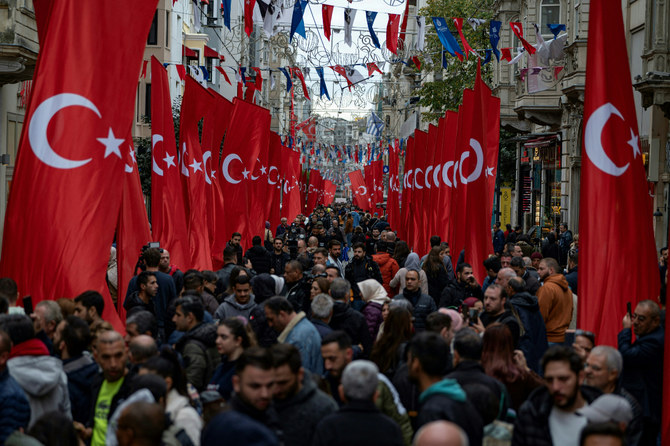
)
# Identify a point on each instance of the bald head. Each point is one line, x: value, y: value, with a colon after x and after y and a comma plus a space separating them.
x: 109, y: 337
x: 504, y: 275
x: 141, y: 423
x: 141, y: 348
x: 440, y: 433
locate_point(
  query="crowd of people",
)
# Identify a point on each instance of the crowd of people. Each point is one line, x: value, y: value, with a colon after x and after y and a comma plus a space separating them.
x: 329, y: 330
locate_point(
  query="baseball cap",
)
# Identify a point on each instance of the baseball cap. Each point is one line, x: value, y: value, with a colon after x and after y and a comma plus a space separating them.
x: 607, y: 408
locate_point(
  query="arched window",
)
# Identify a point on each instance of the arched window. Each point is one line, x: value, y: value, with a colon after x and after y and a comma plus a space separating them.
x: 550, y: 12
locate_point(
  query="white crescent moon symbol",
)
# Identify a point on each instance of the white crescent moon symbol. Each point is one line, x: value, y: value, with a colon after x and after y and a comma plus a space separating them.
x: 129, y: 168
x: 254, y: 178
x: 270, y: 170
x: 224, y: 167
x: 455, y: 172
x: 39, y: 122
x: 416, y: 175
x: 593, y: 140
x: 286, y: 187
x: 480, y: 162
x: 365, y: 190
x: 184, y: 169
x: 154, y: 140
x: 410, y: 183
x: 445, y: 173
x: 205, y: 156
x: 425, y: 176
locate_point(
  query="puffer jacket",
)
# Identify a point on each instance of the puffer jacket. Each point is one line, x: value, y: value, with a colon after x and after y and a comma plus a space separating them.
x: 374, y: 295
x: 81, y: 372
x: 231, y: 308
x: 198, y: 365
x: 555, y: 300
x: 388, y: 267
x: 184, y: 415
x: 259, y: 258
x: 354, y: 324
x: 423, y: 305
x: 533, y: 343
x: 532, y: 423
x: 14, y: 406
x: 41, y: 377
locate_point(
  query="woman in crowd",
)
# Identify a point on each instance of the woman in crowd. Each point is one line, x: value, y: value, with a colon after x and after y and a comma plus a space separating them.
x: 374, y: 295
x: 389, y: 351
x: 233, y: 336
x: 401, y: 253
x: 436, y: 273
x: 320, y: 285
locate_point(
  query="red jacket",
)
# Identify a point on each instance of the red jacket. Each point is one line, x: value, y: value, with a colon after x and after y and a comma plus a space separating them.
x: 388, y: 267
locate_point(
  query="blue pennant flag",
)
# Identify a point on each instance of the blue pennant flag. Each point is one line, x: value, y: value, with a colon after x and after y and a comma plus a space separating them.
x: 244, y: 78
x: 487, y: 59
x: 448, y: 40
x: 297, y: 23
x: 444, y: 60
x: 225, y: 6
x: 289, y: 83
x: 494, y: 37
x: 556, y: 28
x: 322, y: 83
x: 370, y: 16
x: 290, y: 142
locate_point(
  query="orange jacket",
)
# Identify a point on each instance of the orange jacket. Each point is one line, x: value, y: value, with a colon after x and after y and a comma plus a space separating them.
x: 388, y: 267
x: 555, y: 300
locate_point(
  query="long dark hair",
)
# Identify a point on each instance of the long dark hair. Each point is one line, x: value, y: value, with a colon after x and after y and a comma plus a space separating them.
x: 401, y: 251
x: 397, y: 330
x: 167, y: 365
x: 242, y: 330
x: 433, y: 262
x: 498, y: 354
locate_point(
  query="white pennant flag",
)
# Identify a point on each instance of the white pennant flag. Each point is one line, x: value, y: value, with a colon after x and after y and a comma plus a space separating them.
x: 272, y: 80
x: 516, y: 59
x: 349, y: 15
x: 476, y: 23
x: 421, y: 33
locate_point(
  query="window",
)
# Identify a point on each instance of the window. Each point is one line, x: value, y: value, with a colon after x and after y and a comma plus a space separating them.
x: 152, y: 39
x: 14, y: 127
x: 550, y: 12
x: 167, y: 29
x: 209, y: 66
x: 147, y: 101
x: 211, y: 13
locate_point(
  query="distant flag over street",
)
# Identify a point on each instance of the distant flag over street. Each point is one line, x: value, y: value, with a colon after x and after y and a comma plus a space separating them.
x: 446, y: 38
x: 375, y: 125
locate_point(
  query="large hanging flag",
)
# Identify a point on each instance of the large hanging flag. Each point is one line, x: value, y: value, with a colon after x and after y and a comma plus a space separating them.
x: 291, y: 197
x: 392, y: 33
x: 273, y: 179
x: 613, y: 184
x: 393, y: 201
x: 349, y: 15
x: 375, y: 125
x: 226, y: 11
x: 370, y: 17
x: 446, y: 38
x: 359, y: 189
x: 75, y: 131
x: 168, y: 216
x: 517, y: 29
x: 327, y: 15
x: 322, y: 83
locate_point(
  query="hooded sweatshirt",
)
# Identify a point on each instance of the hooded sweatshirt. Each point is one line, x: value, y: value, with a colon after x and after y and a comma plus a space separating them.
x: 533, y: 343
x: 388, y: 268
x: 374, y: 295
x: 555, y: 300
x: 41, y: 377
x: 230, y: 307
x: 413, y: 263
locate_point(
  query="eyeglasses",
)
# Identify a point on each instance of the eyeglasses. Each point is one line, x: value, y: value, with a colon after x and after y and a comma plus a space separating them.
x: 639, y: 317
x: 587, y: 334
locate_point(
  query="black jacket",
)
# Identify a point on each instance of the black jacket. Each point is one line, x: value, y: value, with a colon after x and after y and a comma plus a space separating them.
x: 223, y: 277
x: 506, y: 318
x: 358, y: 423
x: 198, y: 349
x: 423, y: 305
x: 81, y: 372
x: 259, y: 258
x: 298, y: 294
x: 360, y: 270
x: 268, y: 417
x: 353, y: 323
x: 238, y: 250
x: 123, y: 393
x: 456, y: 292
x: 533, y: 343
x: 532, y: 423
x: 437, y: 283
x: 278, y: 263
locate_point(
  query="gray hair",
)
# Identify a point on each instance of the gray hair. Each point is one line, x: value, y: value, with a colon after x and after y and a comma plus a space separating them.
x: 507, y: 273
x: 402, y: 303
x: 359, y: 380
x: 443, y: 429
x: 613, y: 358
x: 527, y: 261
x: 53, y: 312
x: 322, y: 305
x: 340, y: 289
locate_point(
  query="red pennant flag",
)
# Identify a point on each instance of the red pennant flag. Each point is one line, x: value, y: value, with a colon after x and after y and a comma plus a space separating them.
x: 240, y: 89
x: 458, y: 21
x: 506, y: 54
x: 339, y: 69
x: 517, y: 29
x: 372, y: 67
x: 241, y: 149
x: 225, y: 76
x: 168, y: 215
x: 144, y: 69
x: 403, y: 27
x: 612, y: 188
x: 181, y: 71
x: 298, y: 73
x: 259, y: 78
x: 133, y: 229
x: 195, y: 105
x: 557, y: 71
x: 73, y: 142
x: 327, y: 14
x: 249, y: 16
x: 417, y: 62
x: 359, y: 189
x: 392, y: 33
x: 250, y: 92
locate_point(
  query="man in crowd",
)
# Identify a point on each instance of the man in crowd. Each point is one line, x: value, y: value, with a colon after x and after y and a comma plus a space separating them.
x: 643, y: 364
x: 531, y: 278
x: 14, y: 406
x: 496, y: 311
x: 89, y: 306
x: 334, y: 253
x: 198, y: 344
x: 141, y: 423
x: 70, y: 343
x: 258, y: 256
x: 320, y: 256
x: 298, y: 401
x: 10, y: 291
x: 603, y: 368
x: 441, y: 433
x: 555, y: 300
x: 492, y: 266
x: 533, y: 343
x: 350, y: 321
x: 359, y: 421
x: 46, y: 318
x: 229, y: 262
x: 332, y: 273
x: 140, y: 323
x: 171, y: 270
x: 564, y: 242
x: 322, y: 313
x: 240, y: 303
x: 361, y: 268
x: 282, y: 228
x: 465, y: 286
x: 549, y: 415
x: 498, y: 239
x: 234, y: 243
x: 278, y: 258
x: 297, y: 285
x: 573, y: 268
x: 144, y: 297
x: 505, y: 260
x: 422, y: 304
x: 294, y: 328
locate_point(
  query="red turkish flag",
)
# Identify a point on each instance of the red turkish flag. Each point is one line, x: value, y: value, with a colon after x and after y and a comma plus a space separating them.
x: 408, y: 193
x: 445, y: 177
x: 260, y: 190
x: 241, y: 148
x: 327, y: 14
x: 315, y: 186
x: 429, y: 191
x: 358, y: 189
x: 249, y: 16
x: 64, y: 201
x: 292, y: 196
x: 458, y: 22
x: 417, y: 224
x: 613, y: 187
x: 378, y: 182
x: 517, y: 29
x: 370, y: 184
x: 274, y: 179
x: 133, y: 230
x: 392, y: 203
x: 195, y: 105
x: 298, y: 72
x: 392, y: 33
x: 168, y: 215
x: 329, y: 189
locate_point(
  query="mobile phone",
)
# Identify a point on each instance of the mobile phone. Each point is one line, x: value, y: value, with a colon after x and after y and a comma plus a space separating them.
x: 474, y: 315
x: 464, y: 309
x: 628, y: 309
x: 28, y: 305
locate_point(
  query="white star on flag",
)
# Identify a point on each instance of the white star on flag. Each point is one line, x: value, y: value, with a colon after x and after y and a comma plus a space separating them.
x: 132, y: 155
x: 634, y: 142
x: 245, y: 173
x: 212, y: 175
x: 489, y: 171
x: 169, y: 160
x: 111, y: 144
x: 195, y: 166
x: 263, y: 170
